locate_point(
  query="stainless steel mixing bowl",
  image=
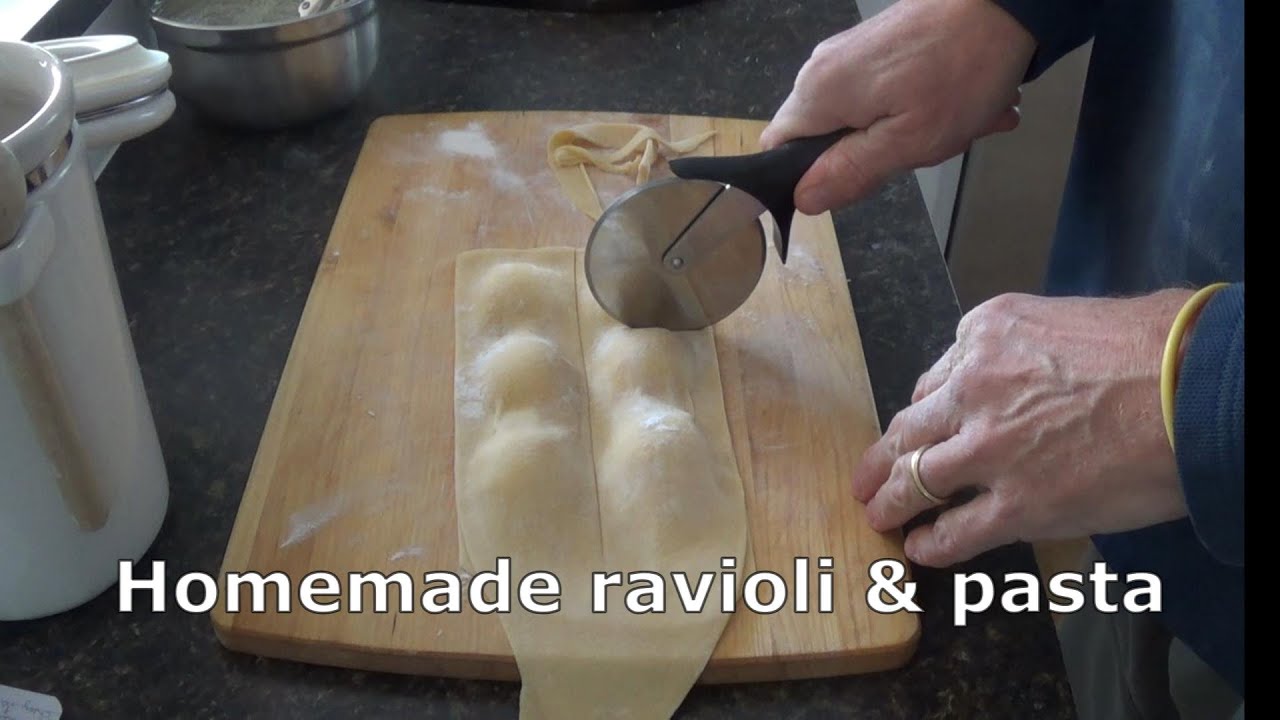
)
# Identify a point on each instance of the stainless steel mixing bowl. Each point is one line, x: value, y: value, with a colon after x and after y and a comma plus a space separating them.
x: 273, y: 75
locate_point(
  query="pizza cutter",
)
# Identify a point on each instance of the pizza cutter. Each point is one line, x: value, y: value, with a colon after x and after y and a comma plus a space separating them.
x: 684, y: 253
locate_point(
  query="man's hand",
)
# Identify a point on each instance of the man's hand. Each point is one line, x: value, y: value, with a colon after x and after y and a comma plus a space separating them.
x: 919, y: 82
x: 1051, y: 409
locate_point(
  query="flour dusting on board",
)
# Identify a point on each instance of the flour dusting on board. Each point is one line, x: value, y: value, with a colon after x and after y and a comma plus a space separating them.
x: 802, y: 266
x: 504, y: 179
x: 408, y: 552
x: 311, y: 518
x: 472, y: 142
x: 307, y: 521
x: 425, y: 191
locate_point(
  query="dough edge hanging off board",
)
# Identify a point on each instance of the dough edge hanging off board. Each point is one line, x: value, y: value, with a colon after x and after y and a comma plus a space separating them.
x: 574, y: 441
x: 618, y: 148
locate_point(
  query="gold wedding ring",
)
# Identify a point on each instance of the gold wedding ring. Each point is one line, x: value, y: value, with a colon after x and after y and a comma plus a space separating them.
x: 915, y: 476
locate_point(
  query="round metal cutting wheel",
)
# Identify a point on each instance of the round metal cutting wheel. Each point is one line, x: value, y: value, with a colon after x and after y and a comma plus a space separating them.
x: 676, y: 254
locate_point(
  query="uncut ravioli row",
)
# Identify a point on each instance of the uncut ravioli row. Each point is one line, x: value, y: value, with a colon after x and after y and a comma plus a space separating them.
x: 585, y: 446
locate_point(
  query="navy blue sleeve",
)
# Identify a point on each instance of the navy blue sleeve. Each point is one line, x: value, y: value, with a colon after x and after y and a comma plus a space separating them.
x: 1059, y: 26
x: 1209, y: 425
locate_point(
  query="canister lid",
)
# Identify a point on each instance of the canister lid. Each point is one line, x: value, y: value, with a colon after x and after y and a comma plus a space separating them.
x: 37, y: 107
x: 109, y: 70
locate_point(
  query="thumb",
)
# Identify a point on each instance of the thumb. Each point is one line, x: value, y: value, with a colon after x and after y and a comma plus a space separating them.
x: 850, y: 170
x: 1007, y: 121
x: 773, y: 135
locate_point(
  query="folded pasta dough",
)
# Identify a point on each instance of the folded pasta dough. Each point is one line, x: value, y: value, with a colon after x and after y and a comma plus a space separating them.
x: 618, y: 148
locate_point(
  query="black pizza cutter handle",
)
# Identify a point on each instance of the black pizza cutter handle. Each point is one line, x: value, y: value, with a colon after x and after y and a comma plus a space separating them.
x: 770, y: 176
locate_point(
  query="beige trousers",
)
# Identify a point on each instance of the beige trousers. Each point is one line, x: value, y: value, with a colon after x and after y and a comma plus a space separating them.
x: 1125, y: 666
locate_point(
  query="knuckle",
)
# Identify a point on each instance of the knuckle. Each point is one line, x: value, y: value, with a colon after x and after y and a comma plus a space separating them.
x: 981, y: 450
x: 1001, y: 310
x: 980, y: 440
x: 900, y: 468
x: 893, y: 446
x: 944, y: 537
x: 901, y: 499
x: 824, y: 60
x: 894, y: 487
x: 981, y: 380
x: 921, y: 384
x: 832, y: 44
x: 987, y: 314
x: 1006, y: 509
x: 824, y: 49
x: 967, y: 457
x: 1000, y: 303
x: 898, y: 427
x: 969, y: 320
x: 895, y: 428
x: 982, y: 330
x: 957, y: 390
x: 962, y: 386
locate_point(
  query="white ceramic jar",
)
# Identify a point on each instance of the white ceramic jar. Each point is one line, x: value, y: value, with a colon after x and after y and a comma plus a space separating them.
x: 82, y: 480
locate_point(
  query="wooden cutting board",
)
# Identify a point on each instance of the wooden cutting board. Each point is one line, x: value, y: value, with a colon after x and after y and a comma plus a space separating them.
x: 355, y: 468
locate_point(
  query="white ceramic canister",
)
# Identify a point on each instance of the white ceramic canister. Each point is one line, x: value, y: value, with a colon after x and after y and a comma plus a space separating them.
x: 82, y: 480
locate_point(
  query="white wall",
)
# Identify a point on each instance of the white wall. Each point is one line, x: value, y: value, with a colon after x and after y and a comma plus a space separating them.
x: 1012, y: 189
x: 125, y: 17
x: 17, y: 17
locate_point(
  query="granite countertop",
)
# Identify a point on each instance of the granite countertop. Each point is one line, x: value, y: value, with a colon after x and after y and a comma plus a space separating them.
x: 217, y: 235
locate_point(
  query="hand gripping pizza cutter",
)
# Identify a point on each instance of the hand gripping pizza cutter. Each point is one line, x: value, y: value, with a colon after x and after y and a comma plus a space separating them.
x: 684, y: 253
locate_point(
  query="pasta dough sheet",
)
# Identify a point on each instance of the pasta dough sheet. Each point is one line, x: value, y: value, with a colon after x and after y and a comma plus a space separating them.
x: 584, y: 446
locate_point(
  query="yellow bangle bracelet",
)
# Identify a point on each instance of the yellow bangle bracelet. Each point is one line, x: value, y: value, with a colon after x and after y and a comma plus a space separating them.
x: 1169, y: 367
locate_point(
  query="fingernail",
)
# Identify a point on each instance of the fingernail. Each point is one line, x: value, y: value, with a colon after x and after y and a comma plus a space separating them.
x: 812, y: 200
x: 909, y: 547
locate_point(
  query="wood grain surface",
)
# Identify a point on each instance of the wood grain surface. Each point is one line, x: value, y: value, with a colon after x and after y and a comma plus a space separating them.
x: 354, y: 473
